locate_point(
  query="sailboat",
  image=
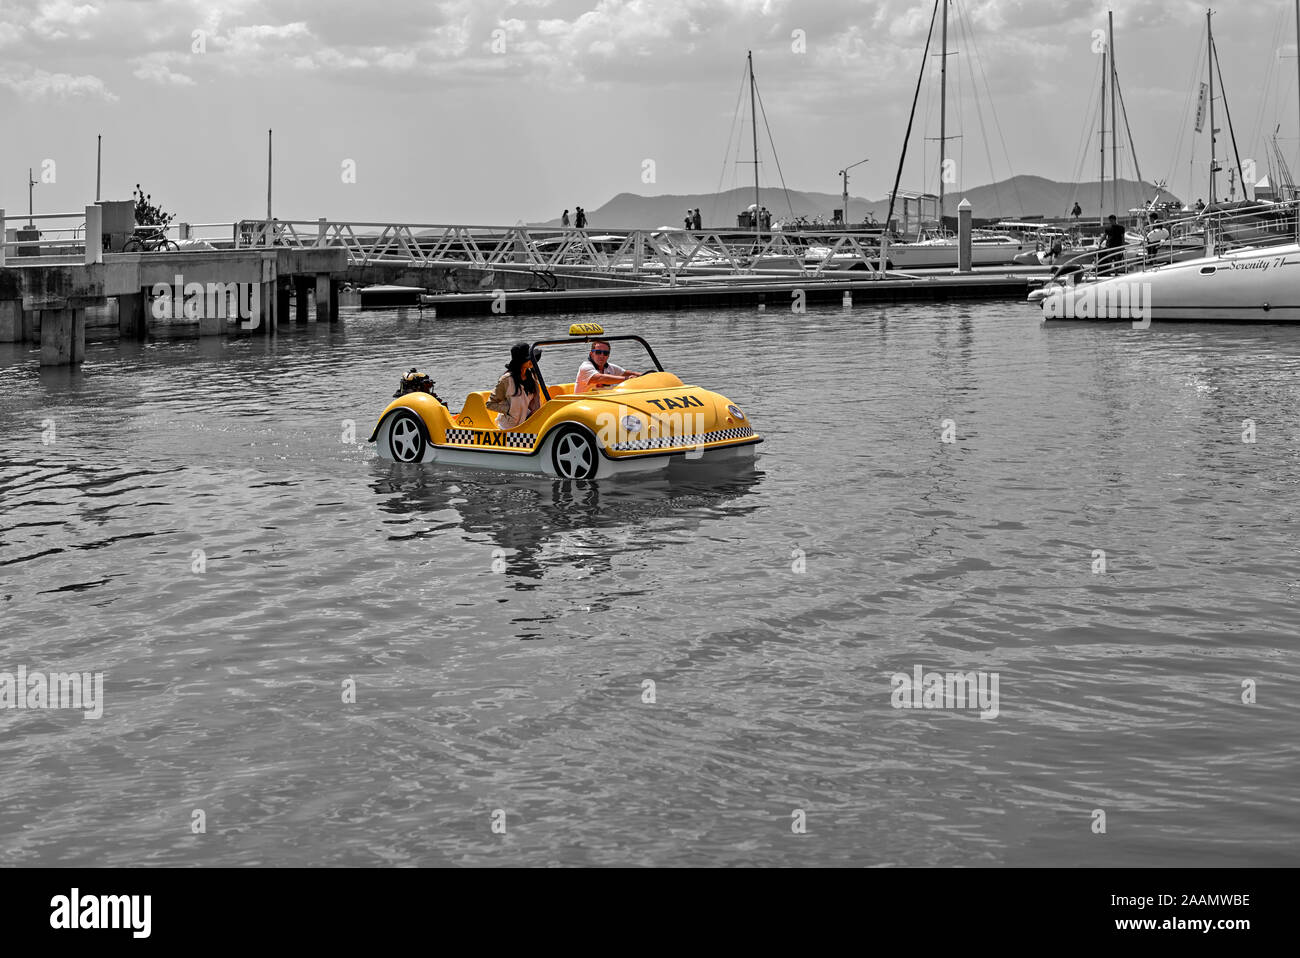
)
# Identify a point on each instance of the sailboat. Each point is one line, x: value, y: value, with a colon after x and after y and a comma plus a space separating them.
x: 934, y: 247
x: 1258, y: 283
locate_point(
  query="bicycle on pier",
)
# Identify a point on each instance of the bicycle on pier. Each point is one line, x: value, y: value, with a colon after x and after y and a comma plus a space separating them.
x: 150, y: 239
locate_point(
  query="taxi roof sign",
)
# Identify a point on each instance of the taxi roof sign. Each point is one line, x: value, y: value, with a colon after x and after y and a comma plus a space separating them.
x: 586, y: 329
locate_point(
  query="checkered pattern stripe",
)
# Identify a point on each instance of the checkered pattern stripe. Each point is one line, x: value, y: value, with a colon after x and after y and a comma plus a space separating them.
x: 683, y: 442
x: 514, y: 440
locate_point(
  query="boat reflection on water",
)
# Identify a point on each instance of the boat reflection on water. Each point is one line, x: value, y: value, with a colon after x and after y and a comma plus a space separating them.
x: 558, y: 528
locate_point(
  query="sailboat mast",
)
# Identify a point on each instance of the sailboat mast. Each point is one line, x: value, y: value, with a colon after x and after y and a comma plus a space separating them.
x: 1114, y: 117
x: 1297, y: 45
x: 1101, y: 203
x: 943, y: 110
x: 753, y: 115
x: 1209, y: 53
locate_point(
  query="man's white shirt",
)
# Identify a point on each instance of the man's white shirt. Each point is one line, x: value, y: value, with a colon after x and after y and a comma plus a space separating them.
x: 588, y: 369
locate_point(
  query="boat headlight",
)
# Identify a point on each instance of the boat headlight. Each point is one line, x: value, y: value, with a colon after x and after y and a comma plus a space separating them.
x: 632, y: 424
x: 735, y: 412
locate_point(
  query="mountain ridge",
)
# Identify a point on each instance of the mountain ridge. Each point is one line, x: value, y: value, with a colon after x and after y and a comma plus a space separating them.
x: 1023, y: 196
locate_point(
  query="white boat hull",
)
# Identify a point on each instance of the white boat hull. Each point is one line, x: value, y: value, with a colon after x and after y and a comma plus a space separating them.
x: 1259, y: 285
x: 942, y: 255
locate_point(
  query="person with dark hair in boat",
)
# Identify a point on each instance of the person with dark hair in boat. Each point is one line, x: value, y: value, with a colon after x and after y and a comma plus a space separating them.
x: 596, y: 370
x: 1111, y: 257
x: 516, y: 396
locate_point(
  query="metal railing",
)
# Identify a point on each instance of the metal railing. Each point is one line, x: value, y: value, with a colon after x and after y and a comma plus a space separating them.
x: 647, y: 254
x: 1191, y: 236
x: 63, y: 235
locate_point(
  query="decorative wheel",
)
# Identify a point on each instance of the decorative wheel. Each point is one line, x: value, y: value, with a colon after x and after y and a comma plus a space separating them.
x: 574, y: 455
x: 406, y: 437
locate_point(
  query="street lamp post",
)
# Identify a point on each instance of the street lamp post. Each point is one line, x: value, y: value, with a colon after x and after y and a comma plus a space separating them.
x: 844, y: 173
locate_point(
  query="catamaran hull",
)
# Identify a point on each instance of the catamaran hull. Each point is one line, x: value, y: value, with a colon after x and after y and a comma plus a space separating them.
x: 1250, y: 286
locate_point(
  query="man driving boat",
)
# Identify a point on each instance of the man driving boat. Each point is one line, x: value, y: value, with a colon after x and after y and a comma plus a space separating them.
x: 597, y: 370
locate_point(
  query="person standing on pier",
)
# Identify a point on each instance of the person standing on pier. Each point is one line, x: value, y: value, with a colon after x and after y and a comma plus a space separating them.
x: 1077, y: 211
x: 580, y: 218
x: 696, y: 222
x: 564, y: 220
x: 689, y: 221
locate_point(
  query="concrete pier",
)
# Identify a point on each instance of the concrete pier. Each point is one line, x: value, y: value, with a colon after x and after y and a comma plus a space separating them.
x: 44, y: 298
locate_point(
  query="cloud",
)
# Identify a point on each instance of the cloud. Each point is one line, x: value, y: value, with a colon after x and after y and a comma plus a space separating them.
x: 41, y: 84
x: 60, y: 19
x: 10, y: 34
x: 153, y: 68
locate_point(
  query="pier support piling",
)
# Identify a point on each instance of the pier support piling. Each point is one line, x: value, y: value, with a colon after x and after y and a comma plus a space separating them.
x: 324, y: 297
x: 335, y: 286
x: 31, y: 326
x: 266, y: 320
x: 11, y: 320
x: 132, y: 323
x: 301, y: 290
x: 282, y: 290
x: 63, y: 336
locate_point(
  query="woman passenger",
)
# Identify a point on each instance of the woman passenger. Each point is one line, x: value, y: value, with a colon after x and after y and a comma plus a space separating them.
x: 516, y: 396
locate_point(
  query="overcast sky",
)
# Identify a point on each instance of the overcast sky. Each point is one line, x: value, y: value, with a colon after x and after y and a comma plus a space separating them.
x: 475, y: 111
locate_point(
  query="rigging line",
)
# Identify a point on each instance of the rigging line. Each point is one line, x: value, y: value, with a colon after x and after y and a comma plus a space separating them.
x: 1232, y: 133
x: 1081, y: 151
x: 772, y: 143
x: 726, y: 153
x: 1132, y: 148
x: 966, y: 32
x: 1186, y: 114
x: 1257, y: 135
x: 997, y: 124
x: 915, y: 96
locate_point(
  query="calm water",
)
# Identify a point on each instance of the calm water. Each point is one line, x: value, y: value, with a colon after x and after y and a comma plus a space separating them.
x: 521, y: 690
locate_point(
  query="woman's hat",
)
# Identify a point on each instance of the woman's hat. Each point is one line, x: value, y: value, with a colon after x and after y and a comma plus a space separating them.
x: 521, y: 353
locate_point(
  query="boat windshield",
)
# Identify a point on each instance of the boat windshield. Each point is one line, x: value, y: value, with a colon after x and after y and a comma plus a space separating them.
x: 561, y: 358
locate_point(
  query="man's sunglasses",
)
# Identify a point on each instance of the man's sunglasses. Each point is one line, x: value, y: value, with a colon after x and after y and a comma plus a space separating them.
x: 601, y: 352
